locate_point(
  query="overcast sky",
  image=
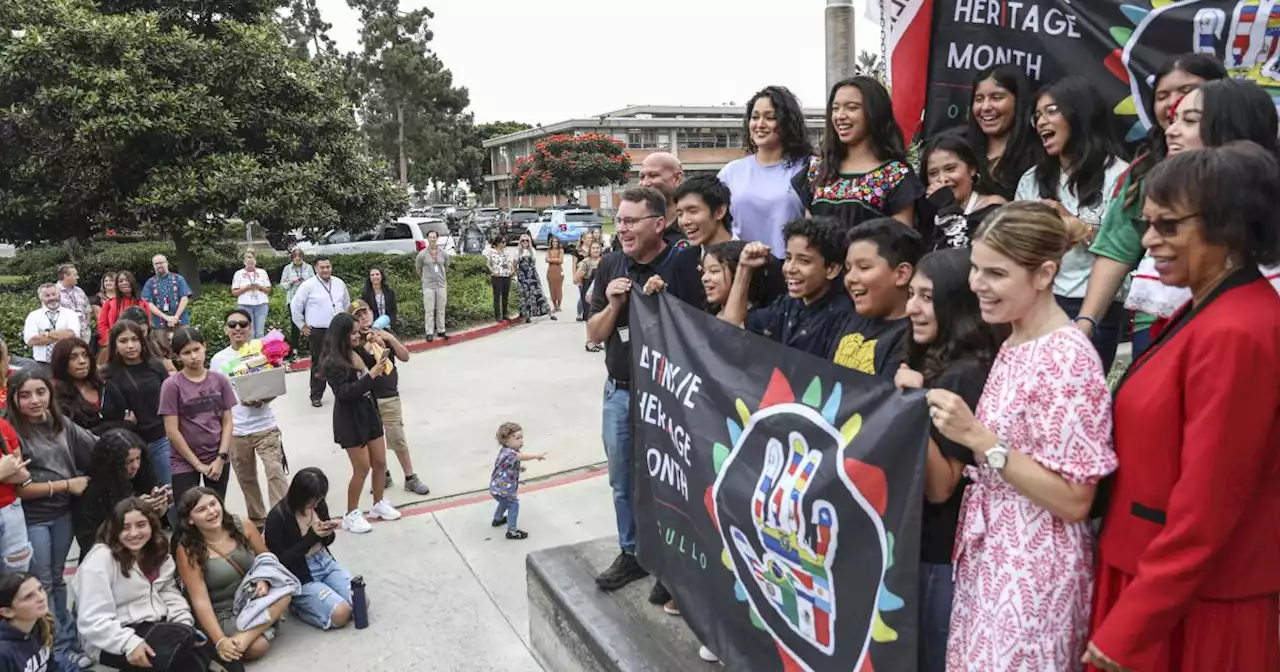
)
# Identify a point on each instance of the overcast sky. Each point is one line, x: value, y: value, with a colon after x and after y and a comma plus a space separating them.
x: 543, y: 61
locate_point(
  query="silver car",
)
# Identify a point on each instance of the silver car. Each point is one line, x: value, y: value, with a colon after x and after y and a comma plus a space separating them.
x: 407, y: 235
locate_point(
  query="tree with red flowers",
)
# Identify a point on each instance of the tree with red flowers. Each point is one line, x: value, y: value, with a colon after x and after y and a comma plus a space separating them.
x: 561, y: 164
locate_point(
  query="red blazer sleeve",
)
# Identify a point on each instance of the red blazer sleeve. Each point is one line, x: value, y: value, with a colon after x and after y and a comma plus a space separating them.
x: 106, y: 318
x: 1230, y: 397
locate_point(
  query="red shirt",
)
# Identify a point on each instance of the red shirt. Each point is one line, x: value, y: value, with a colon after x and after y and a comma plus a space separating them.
x: 8, y: 491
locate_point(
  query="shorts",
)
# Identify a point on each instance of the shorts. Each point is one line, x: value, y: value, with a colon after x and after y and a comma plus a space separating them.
x: 329, y: 587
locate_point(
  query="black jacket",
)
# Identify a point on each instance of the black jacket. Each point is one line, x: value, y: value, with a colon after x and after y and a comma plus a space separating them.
x: 288, y: 543
x: 20, y: 652
x: 390, y: 296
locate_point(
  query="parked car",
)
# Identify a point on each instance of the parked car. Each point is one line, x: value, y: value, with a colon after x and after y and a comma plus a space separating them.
x: 517, y: 222
x: 566, y: 225
x: 485, y: 217
x: 407, y: 235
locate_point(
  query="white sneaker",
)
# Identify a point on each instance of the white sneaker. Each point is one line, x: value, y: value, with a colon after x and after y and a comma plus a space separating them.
x: 705, y: 654
x: 384, y: 510
x: 355, y: 522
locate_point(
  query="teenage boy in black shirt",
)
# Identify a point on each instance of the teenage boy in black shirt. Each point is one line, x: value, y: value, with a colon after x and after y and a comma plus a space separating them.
x: 810, y: 316
x: 881, y: 257
x: 641, y: 220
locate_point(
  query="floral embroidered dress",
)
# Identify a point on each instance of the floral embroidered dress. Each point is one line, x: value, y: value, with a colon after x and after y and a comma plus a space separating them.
x: 853, y: 198
x: 1023, y: 576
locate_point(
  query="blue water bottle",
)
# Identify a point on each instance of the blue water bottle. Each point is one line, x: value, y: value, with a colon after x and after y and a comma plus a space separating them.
x: 359, y: 606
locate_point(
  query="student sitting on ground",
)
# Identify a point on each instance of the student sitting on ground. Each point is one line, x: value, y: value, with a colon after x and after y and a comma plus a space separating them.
x: 881, y: 256
x: 26, y: 626
x: 815, y: 309
x: 131, y: 613
x: 299, y: 532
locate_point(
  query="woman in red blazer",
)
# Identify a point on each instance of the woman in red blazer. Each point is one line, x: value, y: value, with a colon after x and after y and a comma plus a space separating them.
x: 1190, y: 553
x: 127, y: 290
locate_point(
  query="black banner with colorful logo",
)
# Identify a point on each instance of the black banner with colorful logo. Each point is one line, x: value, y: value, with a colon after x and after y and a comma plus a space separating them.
x: 777, y: 495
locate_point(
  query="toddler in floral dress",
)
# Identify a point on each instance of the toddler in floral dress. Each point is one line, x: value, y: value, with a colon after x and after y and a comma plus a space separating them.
x: 506, y: 478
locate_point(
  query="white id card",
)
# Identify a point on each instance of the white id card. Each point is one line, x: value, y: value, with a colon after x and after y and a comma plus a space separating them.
x: 436, y: 268
x: 624, y: 334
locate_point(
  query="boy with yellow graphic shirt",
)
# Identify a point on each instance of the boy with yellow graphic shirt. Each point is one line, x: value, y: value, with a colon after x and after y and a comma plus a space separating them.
x: 879, y: 260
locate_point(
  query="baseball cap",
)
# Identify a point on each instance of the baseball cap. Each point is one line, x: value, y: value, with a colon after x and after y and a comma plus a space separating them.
x: 356, y: 306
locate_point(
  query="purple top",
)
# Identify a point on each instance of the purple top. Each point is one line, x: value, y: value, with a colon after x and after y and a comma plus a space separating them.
x: 199, y: 407
x: 762, y: 200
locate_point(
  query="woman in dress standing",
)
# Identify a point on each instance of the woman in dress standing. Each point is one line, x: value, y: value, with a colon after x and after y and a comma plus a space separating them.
x: 1187, y: 576
x: 1041, y: 441
x: 1000, y: 128
x: 380, y: 297
x: 778, y: 148
x: 863, y: 172
x: 533, y: 303
x: 555, y: 271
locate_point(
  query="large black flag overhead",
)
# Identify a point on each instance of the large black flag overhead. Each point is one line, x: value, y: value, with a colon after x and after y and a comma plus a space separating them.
x: 1117, y: 44
x: 777, y: 495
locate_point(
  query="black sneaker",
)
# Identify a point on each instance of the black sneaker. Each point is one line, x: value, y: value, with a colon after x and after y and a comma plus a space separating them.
x: 659, y: 594
x: 498, y: 522
x: 624, y: 570
x: 431, y: 338
x: 443, y: 336
x: 316, y: 403
x: 518, y: 534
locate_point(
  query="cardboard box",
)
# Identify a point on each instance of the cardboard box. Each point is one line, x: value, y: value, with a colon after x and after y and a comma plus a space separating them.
x: 258, y: 386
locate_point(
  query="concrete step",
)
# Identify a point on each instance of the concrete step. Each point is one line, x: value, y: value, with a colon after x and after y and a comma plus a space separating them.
x: 576, y: 627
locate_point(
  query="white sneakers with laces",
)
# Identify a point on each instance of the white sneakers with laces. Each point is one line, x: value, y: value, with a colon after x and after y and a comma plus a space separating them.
x: 384, y: 510
x: 354, y: 522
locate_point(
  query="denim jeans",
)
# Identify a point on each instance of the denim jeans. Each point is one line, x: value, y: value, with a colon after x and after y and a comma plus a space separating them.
x: 510, y: 508
x: 617, y: 449
x: 935, y: 616
x: 330, y: 586
x: 159, y: 452
x: 13, y: 538
x: 258, y: 314
x: 50, y: 544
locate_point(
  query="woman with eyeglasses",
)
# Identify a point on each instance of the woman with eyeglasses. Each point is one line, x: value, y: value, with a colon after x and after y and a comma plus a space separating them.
x: 1078, y: 178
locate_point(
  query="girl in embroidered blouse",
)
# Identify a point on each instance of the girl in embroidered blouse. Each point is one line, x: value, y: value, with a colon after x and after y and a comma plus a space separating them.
x: 1041, y: 441
x: 1000, y: 129
x: 863, y: 172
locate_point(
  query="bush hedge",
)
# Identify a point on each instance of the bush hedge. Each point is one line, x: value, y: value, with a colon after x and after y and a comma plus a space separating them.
x: 470, y: 299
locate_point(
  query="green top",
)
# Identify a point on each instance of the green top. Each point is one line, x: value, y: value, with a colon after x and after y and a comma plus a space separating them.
x: 1120, y: 240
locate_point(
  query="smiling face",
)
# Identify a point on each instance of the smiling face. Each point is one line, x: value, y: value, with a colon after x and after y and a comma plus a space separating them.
x: 946, y: 169
x: 716, y: 280
x: 697, y: 221
x: 1176, y: 242
x: 870, y: 281
x: 30, y: 603
x: 639, y: 230
x: 1184, y: 132
x: 1006, y: 291
x: 160, y: 264
x: 123, y: 286
x: 206, y: 515
x: 1169, y: 90
x: 848, y: 116
x: 78, y: 363
x: 108, y: 283
x: 763, y: 125
x: 136, y: 531
x: 924, y: 323
x: 237, y: 329
x: 661, y: 171
x: 994, y: 108
x: 33, y: 399
x: 1051, y: 125
x: 375, y: 278
x: 808, y: 275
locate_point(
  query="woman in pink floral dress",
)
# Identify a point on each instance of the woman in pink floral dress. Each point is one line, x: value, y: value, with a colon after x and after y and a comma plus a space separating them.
x: 1041, y: 440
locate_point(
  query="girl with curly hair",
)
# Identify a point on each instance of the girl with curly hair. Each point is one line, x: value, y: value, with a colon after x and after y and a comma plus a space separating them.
x: 118, y: 470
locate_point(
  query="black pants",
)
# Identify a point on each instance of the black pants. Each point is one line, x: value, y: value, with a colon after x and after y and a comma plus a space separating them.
x: 191, y: 480
x: 501, y: 291
x: 317, y: 353
x: 584, y: 302
x: 1106, y: 336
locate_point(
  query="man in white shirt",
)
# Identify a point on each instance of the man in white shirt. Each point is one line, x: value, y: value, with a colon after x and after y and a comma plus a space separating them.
x: 254, y: 431
x: 49, y: 324
x: 313, y: 308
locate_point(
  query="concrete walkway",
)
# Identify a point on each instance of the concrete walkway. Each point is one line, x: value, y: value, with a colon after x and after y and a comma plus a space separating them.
x: 448, y: 590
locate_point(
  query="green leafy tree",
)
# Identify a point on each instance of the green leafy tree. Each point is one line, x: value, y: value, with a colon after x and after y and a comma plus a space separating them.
x: 561, y: 164
x: 307, y: 32
x: 493, y: 129
x: 173, y: 123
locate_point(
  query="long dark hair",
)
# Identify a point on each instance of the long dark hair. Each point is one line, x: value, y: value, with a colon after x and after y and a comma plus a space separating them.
x: 882, y: 129
x: 337, y: 347
x: 962, y: 335
x: 60, y: 362
x: 368, y: 294
x: 153, y: 553
x: 115, y: 362
x: 108, y: 472
x: 1091, y: 148
x: 1023, y: 148
x: 728, y: 253
x: 150, y: 337
x: 1237, y: 109
x: 308, y: 484
x: 135, y: 292
x: 19, y: 421
x: 1155, y: 148
x: 954, y: 142
x: 791, y: 126
x: 10, y: 584
x: 192, y: 539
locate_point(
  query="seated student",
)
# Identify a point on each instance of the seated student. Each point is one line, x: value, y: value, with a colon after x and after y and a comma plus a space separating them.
x: 882, y: 254
x: 299, y: 532
x: 131, y: 613
x: 811, y: 314
x: 26, y: 625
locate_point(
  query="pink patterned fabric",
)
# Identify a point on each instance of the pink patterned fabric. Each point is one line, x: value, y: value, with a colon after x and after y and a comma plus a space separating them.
x: 1023, y: 576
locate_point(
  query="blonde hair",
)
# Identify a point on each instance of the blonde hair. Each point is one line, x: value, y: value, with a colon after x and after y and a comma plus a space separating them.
x: 506, y: 431
x: 1031, y: 233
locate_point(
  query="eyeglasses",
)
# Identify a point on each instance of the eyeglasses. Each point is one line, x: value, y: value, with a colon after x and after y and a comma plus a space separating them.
x: 1165, y: 227
x: 237, y: 325
x: 1049, y: 111
x: 628, y: 222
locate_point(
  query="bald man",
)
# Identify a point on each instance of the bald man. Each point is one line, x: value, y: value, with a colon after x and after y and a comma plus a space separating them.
x: 662, y: 171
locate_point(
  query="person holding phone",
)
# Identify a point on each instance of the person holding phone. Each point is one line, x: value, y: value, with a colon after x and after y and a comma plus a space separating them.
x: 117, y: 471
x: 299, y: 532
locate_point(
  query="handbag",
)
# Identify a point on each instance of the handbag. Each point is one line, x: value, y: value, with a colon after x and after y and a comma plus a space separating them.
x: 178, y: 647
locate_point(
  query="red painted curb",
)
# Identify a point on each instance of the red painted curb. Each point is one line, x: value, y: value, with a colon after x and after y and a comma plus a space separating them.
x: 304, y: 364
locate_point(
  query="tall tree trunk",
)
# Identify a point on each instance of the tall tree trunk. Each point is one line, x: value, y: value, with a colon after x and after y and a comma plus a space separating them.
x: 404, y: 158
x: 188, y: 264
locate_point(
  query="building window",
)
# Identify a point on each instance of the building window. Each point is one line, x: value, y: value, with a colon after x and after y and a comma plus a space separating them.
x: 648, y: 139
x: 709, y: 138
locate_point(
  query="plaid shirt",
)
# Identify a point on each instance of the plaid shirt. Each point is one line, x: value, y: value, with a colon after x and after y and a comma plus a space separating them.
x: 75, y: 300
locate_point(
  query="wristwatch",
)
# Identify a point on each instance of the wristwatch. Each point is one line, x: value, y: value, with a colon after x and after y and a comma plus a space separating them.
x: 999, y: 456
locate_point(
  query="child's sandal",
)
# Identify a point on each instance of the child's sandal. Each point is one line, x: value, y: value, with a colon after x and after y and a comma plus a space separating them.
x: 518, y: 534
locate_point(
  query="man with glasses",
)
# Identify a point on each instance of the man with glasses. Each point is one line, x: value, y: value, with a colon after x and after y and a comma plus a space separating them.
x: 254, y: 431
x: 168, y: 294
x: 313, y: 307
x: 48, y: 324
x: 641, y: 221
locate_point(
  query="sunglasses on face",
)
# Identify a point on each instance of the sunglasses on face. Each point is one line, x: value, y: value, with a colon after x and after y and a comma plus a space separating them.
x: 237, y: 325
x: 1166, y: 227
